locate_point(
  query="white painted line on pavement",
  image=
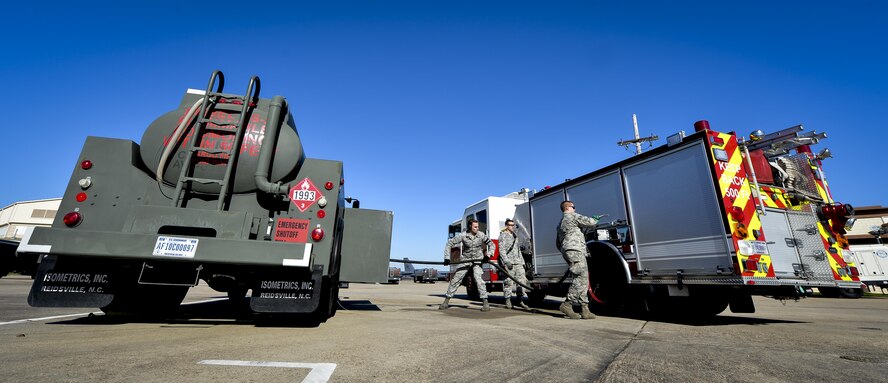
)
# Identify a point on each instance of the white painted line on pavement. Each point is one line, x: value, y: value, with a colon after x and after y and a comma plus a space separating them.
x: 320, y: 372
x: 205, y: 301
x: 48, y: 318
x: 94, y: 313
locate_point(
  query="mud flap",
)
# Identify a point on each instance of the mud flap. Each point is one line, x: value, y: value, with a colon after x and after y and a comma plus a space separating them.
x: 741, y: 303
x: 290, y: 293
x: 62, y: 284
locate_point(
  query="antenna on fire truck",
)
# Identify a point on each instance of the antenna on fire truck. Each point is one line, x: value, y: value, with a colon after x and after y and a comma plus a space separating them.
x: 637, y: 141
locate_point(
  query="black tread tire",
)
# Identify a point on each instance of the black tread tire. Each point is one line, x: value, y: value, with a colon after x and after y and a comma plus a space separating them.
x: 606, y: 278
x: 535, y: 298
x: 829, y: 292
x: 146, y: 300
x: 851, y: 293
x: 472, y: 289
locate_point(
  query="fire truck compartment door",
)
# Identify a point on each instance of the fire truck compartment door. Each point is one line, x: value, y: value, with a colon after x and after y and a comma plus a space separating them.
x: 782, y: 244
x: 366, y: 245
x: 675, y: 214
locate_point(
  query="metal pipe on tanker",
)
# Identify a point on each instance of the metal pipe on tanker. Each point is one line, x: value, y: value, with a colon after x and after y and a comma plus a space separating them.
x: 761, y: 205
x: 272, y: 128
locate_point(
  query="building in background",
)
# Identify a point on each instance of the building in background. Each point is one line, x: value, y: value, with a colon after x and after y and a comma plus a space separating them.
x: 20, y: 215
x: 869, y: 218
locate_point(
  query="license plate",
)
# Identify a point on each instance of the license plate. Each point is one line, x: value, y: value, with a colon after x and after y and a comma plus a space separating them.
x: 175, y: 247
x: 752, y: 247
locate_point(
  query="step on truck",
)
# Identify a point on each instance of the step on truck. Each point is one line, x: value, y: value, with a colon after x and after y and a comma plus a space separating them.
x: 217, y: 190
x: 691, y: 227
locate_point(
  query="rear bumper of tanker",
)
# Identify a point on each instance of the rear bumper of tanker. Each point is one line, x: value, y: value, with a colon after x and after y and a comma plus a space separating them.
x: 139, y: 247
x: 93, y: 268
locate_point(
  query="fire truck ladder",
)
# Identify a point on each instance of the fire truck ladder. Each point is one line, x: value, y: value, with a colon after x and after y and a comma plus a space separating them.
x: 217, y: 101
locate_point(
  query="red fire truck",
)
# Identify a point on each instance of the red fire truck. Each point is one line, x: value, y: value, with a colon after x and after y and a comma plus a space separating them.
x: 694, y: 226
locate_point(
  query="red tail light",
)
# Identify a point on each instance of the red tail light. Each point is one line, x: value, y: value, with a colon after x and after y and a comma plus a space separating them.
x: 854, y: 272
x: 80, y: 197
x: 737, y: 214
x: 72, y: 219
x: 750, y: 265
x: 317, y: 234
x: 86, y: 164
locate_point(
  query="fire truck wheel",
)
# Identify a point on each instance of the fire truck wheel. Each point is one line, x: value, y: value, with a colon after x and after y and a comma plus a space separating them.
x: 535, y: 298
x: 828, y: 292
x: 472, y: 289
x: 851, y: 293
x: 608, y: 287
x: 705, y: 308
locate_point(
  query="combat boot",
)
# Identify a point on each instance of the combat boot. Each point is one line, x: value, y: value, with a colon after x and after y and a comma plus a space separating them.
x: 585, y: 313
x: 522, y: 304
x: 485, y: 306
x: 445, y: 305
x: 509, y: 303
x: 568, y: 310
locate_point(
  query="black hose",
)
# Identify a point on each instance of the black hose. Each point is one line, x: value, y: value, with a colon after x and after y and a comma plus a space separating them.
x: 448, y: 262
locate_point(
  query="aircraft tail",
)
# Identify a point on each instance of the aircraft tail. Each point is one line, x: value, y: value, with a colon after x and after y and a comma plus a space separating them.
x: 408, y: 267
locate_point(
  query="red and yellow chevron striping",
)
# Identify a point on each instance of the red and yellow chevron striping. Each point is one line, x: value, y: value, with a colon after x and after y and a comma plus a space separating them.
x: 739, y: 204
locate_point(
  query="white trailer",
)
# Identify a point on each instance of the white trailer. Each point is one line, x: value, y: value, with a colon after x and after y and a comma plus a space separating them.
x: 872, y: 261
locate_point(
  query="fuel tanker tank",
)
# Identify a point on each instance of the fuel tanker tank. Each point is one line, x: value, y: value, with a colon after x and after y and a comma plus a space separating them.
x: 220, y: 190
x: 289, y: 154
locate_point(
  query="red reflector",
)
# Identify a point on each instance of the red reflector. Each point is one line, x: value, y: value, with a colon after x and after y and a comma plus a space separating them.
x: 86, y: 164
x: 750, y: 265
x: 317, y: 234
x: 855, y: 272
x: 322, y: 214
x: 80, y: 197
x: 737, y: 214
x: 72, y: 219
x: 328, y: 185
x: 750, y: 282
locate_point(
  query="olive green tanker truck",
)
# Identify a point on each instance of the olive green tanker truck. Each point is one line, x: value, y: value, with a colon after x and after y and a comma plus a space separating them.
x: 217, y: 190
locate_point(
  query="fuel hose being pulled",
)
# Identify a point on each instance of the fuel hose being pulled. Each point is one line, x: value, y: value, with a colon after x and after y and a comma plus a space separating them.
x: 447, y: 263
x: 487, y: 260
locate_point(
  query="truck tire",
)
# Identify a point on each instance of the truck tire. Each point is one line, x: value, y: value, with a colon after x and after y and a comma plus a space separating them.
x: 703, y: 309
x: 146, y: 300
x: 329, y: 302
x: 850, y: 293
x: 829, y: 292
x: 535, y: 298
x: 700, y: 305
x: 608, y: 286
x: 236, y: 295
x: 472, y: 289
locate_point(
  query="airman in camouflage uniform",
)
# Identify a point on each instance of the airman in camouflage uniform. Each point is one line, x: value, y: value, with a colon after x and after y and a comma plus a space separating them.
x: 511, y: 259
x: 471, y: 242
x: 572, y: 243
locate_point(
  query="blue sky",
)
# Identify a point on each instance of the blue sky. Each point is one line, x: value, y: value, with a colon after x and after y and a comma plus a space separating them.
x: 434, y: 105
